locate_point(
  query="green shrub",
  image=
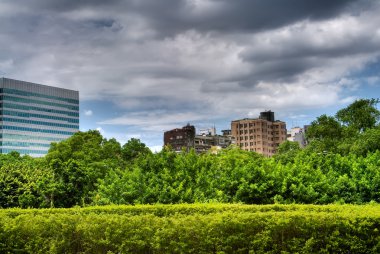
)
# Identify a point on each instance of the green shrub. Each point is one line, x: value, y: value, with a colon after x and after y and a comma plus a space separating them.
x: 212, y: 228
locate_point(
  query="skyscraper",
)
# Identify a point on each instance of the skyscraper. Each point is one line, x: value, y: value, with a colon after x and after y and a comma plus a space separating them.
x: 32, y: 116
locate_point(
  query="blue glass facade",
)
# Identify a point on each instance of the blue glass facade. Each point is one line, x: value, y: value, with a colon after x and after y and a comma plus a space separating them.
x: 32, y: 116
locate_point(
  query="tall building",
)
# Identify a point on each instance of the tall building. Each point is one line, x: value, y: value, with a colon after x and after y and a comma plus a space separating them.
x: 262, y: 135
x: 33, y: 116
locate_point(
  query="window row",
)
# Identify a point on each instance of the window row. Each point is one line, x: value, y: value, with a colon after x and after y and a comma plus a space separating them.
x: 23, y: 93
x: 256, y: 137
x: 18, y: 128
x: 23, y: 107
x: 28, y: 137
x: 261, y: 137
x: 23, y: 144
x: 16, y: 120
x: 28, y: 115
x: 259, y: 130
x: 24, y: 100
x: 263, y: 125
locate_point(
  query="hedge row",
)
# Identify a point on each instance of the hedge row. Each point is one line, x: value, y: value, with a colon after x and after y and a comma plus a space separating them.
x: 193, y: 229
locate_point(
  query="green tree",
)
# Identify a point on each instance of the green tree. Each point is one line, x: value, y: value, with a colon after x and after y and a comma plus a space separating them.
x: 134, y: 148
x: 76, y: 165
x: 366, y: 142
x: 324, y: 134
x: 325, y: 127
x: 18, y: 180
x: 360, y: 115
x: 287, y: 151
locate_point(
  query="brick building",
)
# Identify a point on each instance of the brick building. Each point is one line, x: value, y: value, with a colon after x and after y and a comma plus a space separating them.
x: 180, y: 138
x: 262, y: 135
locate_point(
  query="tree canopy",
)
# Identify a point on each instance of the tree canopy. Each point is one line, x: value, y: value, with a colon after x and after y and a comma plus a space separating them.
x: 344, y: 132
x: 360, y: 115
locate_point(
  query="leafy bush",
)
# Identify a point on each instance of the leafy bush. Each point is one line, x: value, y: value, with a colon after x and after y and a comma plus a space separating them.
x: 212, y: 228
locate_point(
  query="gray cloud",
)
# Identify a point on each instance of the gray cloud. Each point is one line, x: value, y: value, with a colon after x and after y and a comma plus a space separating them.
x: 238, y: 15
x: 174, y: 16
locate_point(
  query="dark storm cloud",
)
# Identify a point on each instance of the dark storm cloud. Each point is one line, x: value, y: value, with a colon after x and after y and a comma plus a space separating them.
x: 281, y: 70
x: 238, y: 15
x: 169, y: 17
x: 68, y: 5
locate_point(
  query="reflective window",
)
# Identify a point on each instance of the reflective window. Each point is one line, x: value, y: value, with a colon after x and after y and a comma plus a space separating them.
x: 16, y: 120
x: 23, y: 107
x: 28, y: 115
x: 18, y: 128
x: 23, y: 93
x: 24, y: 100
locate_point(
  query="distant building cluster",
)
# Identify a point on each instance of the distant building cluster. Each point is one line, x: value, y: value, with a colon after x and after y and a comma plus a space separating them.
x: 262, y: 135
x: 185, y: 138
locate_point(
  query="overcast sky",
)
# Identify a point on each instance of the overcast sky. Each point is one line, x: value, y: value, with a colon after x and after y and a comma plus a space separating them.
x: 146, y: 66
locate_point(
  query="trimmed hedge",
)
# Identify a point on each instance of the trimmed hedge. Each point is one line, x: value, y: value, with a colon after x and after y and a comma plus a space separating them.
x: 213, y: 228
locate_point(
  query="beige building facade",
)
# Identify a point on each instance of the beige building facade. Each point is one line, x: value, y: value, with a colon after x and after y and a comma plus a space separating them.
x: 262, y: 135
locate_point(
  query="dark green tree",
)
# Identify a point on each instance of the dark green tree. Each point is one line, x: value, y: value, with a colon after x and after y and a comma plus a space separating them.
x: 287, y: 151
x: 76, y: 164
x: 325, y: 127
x: 360, y: 115
x: 366, y: 142
x: 324, y: 134
x: 134, y: 148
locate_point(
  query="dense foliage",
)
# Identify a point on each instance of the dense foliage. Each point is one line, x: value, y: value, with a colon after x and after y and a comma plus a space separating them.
x: 340, y: 165
x: 192, y: 229
x: 353, y: 130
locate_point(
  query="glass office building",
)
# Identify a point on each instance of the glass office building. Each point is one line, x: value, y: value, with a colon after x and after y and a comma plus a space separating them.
x: 32, y: 116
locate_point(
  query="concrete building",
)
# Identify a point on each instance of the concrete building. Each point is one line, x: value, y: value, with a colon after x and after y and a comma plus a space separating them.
x: 297, y: 134
x: 33, y: 116
x: 186, y: 138
x: 182, y: 138
x: 203, y: 143
x: 262, y: 135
